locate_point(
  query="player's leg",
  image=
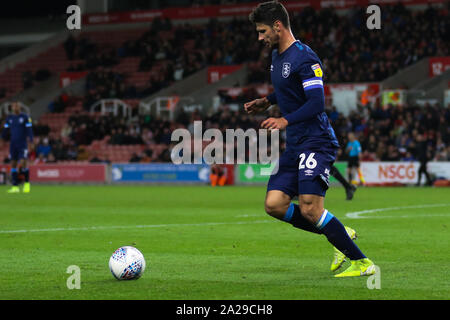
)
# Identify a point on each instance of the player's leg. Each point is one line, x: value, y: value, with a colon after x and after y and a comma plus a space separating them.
x: 349, y: 188
x: 420, y: 172
x: 213, y: 179
x: 312, y: 207
x: 282, y: 187
x: 26, y: 174
x: 362, y: 181
x: 222, y: 179
x: 14, y: 176
x: 312, y: 186
x: 427, y: 176
x: 280, y: 206
x: 349, y: 171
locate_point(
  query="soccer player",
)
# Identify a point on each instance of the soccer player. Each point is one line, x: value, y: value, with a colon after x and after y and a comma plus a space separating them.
x: 354, y: 150
x: 311, y: 144
x: 423, y: 155
x: 20, y: 128
x: 217, y: 176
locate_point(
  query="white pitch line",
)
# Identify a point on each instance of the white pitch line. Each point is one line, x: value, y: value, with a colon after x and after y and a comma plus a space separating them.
x: 357, y: 214
x: 408, y: 216
x: 352, y: 215
x: 133, y: 227
x: 248, y: 215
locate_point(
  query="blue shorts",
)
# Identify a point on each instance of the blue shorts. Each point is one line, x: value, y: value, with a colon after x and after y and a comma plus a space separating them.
x: 18, y: 153
x: 303, y: 172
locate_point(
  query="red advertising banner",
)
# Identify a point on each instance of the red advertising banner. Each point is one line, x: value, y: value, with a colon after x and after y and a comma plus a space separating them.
x: 203, y: 12
x: 438, y: 65
x: 65, y: 172
x: 215, y: 73
x: 66, y: 78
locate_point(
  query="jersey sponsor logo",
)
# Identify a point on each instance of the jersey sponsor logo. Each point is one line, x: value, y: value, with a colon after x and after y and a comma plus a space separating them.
x: 271, y: 67
x: 286, y: 69
x: 317, y: 70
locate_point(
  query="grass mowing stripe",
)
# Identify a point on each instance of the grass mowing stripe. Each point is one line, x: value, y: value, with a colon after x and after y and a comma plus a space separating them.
x: 233, y: 259
x: 135, y: 227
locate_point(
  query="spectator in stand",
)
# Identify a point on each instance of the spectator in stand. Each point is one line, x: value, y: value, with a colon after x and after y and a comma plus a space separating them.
x: 43, y: 148
x: 146, y: 156
x: 135, y: 158
x: 72, y: 152
x: 441, y: 150
x: 41, y: 159
x: 51, y: 158
x: 95, y: 158
x: 83, y: 154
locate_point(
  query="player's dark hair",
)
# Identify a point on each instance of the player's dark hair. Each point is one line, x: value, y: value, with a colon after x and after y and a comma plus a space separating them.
x: 269, y: 12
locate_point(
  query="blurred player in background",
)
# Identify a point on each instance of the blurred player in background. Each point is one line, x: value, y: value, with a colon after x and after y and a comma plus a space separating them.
x: 19, y: 126
x: 311, y: 144
x: 349, y: 188
x: 354, y: 151
x: 424, y: 154
x: 218, y: 176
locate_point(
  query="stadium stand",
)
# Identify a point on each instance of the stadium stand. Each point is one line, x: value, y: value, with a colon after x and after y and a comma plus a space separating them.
x: 136, y: 63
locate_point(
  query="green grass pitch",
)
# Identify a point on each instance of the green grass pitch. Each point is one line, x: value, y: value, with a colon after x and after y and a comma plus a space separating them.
x: 217, y: 243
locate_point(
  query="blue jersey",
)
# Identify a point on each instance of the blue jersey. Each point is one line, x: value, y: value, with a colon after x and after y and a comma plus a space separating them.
x: 354, y: 148
x: 20, y: 128
x: 297, y: 79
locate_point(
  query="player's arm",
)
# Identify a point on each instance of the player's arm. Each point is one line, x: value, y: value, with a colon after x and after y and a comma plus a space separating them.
x: 348, y: 147
x: 359, y: 150
x: 5, y: 130
x: 260, y: 105
x: 272, y: 98
x: 311, y: 75
x: 29, y: 128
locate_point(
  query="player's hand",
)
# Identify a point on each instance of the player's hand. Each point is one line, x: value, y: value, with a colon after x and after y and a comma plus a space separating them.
x: 274, y: 123
x: 257, y: 105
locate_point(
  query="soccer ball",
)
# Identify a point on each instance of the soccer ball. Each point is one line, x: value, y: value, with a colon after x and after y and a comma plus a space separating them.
x: 127, y: 263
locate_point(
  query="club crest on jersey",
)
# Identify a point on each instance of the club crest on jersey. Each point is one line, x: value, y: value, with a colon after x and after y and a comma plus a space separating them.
x: 286, y: 69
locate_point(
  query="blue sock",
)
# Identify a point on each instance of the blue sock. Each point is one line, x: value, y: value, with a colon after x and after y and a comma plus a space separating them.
x: 14, y: 177
x: 336, y: 234
x: 295, y: 217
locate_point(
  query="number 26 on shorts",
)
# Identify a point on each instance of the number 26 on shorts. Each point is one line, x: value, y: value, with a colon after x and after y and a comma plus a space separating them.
x: 310, y: 162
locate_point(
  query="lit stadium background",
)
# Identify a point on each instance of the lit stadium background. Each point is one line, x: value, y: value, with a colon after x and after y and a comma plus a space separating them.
x: 106, y: 98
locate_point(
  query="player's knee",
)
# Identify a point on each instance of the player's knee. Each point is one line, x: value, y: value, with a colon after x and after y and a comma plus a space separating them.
x: 270, y: 208
x: 310, y: 211
x: 274, y: 209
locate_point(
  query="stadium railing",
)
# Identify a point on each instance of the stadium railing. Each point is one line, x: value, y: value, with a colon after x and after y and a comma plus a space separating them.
x: 166, y: 105
x: 114, y: 106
